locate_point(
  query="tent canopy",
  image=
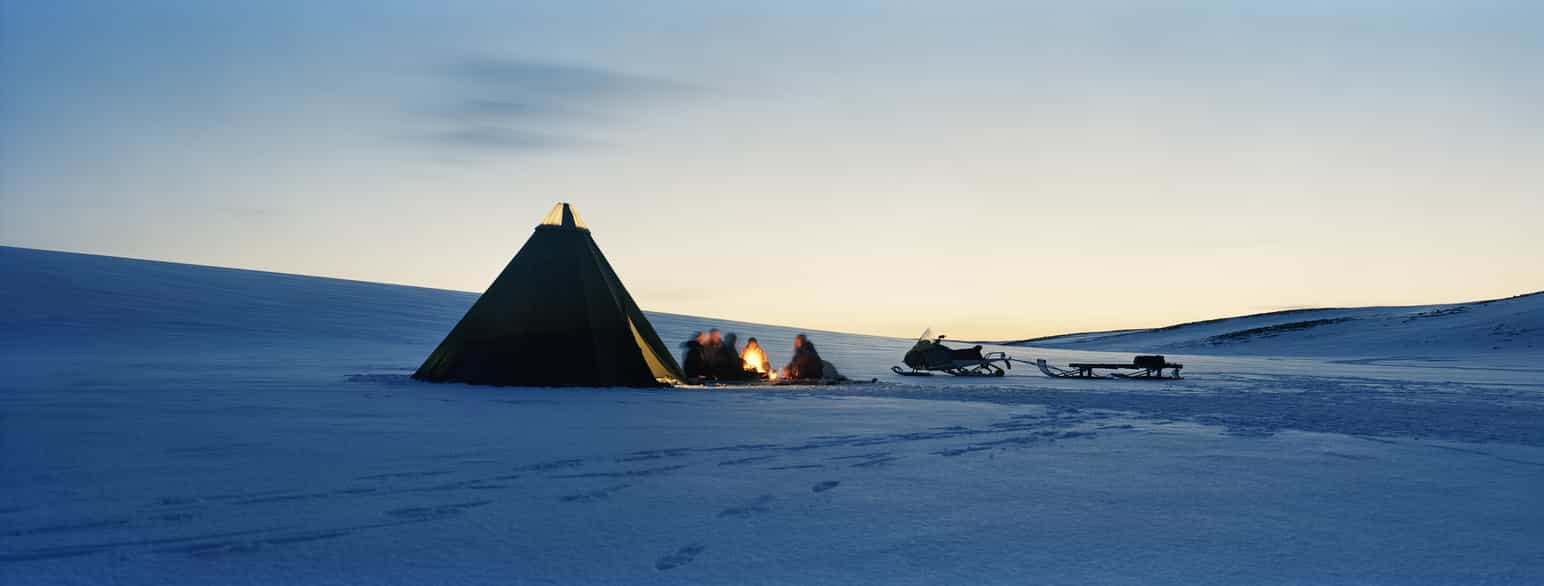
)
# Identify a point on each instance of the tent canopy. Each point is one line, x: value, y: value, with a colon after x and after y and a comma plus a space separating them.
x: 556, y: 316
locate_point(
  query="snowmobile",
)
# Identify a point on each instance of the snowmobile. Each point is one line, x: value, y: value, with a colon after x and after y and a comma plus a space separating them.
x: 930, y: 355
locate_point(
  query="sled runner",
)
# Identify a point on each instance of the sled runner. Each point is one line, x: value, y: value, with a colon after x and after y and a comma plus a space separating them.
x: 1148, y: 367
x: 930, y: 355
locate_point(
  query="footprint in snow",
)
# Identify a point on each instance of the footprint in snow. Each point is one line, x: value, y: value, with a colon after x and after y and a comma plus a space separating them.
x: 759, y: 505
x: 681, y: 557
x: 596, y: 495
x: 434, y: 511
x: 743, y: 461
x: 797, y: 467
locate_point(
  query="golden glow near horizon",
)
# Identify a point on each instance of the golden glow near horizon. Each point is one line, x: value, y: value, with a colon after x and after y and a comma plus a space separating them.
x: 995, y: 171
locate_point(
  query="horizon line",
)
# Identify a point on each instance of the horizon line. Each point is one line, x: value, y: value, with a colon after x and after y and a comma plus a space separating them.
x: 743, y: 321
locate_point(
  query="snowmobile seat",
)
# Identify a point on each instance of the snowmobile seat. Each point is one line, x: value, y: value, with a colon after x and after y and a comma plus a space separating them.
x: 965, y: 353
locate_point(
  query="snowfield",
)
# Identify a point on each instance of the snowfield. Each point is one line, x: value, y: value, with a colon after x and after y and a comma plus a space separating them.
x: 1497, y: 331
x: 176, y: 424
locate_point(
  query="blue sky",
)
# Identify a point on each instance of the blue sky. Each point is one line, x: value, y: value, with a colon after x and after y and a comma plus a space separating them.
x: 992, y: 169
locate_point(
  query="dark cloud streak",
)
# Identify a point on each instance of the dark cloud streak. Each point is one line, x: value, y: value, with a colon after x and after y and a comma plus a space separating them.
x: 559, y: 81
x: 502, y: 105
x: 474, y: 109
x: 498, y: 138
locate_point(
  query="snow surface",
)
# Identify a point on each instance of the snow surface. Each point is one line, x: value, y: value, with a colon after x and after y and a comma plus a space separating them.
x: 1497, y: 331
x: 174, y: 424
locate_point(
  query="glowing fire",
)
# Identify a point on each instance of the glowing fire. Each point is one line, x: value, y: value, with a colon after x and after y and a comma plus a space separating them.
x: 754, y: 359
x: 771, y: 375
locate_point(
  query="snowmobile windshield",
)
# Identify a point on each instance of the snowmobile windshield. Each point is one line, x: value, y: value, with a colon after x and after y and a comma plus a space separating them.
x: 927, y: 335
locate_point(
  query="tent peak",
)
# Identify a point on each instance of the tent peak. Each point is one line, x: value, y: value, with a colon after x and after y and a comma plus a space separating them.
x: 563, y: 215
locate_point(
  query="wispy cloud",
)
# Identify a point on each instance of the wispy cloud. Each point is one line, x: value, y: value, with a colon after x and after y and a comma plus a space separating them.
x: 505, y: 105
x: 549, y: 80
x: 503, y: 138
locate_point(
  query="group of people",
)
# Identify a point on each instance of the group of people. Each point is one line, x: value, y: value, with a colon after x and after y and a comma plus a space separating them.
x: 715, y: 356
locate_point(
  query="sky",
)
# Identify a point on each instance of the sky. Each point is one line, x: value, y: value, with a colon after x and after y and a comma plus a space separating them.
x: 994, y: 170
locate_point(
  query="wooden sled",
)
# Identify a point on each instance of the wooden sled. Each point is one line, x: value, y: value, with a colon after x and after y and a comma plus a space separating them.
x: 1147, y: 367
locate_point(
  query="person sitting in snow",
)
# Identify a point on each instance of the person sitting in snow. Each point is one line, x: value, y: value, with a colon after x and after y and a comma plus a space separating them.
x: 713, y: 354
x: 694, y: 363
x: 730, y: 367
x: 806, y: 363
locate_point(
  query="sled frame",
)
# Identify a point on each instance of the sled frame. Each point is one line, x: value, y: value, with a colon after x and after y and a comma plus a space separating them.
x: 1090, y: 370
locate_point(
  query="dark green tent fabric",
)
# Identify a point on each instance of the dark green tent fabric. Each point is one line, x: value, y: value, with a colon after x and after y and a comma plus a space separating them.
x: 556, y: 316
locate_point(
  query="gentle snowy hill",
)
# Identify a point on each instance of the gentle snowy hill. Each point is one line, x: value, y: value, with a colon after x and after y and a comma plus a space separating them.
x: 53, y: 297
x: 1499, y: 327
x: 80, y: 302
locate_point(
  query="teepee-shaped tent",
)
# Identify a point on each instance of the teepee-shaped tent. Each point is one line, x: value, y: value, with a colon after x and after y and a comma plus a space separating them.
x: 557, y: 316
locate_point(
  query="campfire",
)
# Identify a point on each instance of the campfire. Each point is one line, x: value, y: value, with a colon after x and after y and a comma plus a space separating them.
x: 756, y: 359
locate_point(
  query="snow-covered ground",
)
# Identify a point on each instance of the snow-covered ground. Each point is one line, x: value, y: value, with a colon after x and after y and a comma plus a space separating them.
x: 171, y: 424
x: 1497, y: 331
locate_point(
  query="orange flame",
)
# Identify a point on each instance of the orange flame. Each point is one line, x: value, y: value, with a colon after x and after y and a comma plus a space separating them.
x: 754, y: 359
